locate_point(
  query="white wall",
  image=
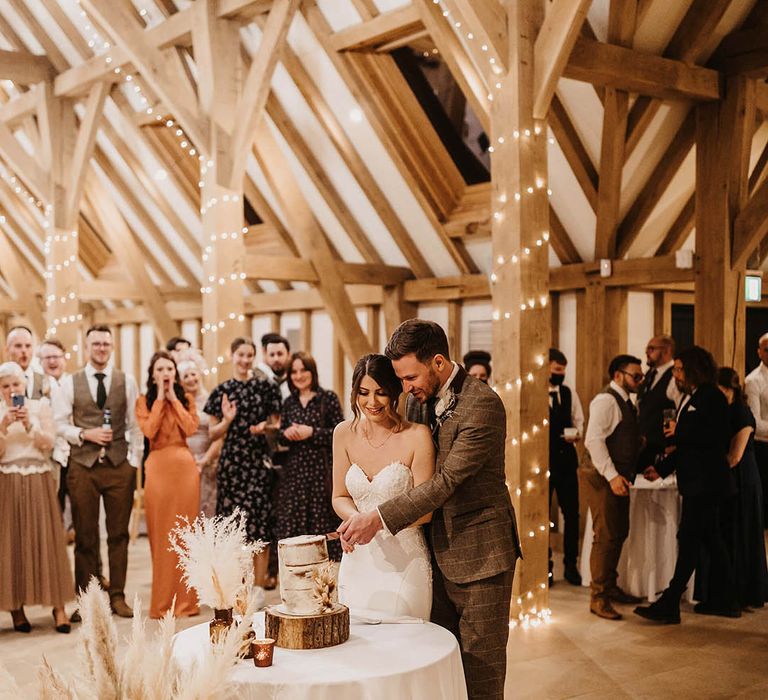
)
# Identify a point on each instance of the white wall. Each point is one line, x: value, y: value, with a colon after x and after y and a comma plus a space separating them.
x: 567, y: 335
x: 639, y: 322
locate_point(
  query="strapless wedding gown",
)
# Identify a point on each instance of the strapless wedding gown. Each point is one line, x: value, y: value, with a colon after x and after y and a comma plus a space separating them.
x: 392, y: 574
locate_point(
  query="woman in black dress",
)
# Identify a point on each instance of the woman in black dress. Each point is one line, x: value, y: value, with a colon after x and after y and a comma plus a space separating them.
x: 307, y: 421
x: 240, y: 409
x: 745, y: 527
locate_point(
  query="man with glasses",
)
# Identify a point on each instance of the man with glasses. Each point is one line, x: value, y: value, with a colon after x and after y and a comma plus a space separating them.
x: 657, y: 393
x: 613, y: 441
x: 102, y: 461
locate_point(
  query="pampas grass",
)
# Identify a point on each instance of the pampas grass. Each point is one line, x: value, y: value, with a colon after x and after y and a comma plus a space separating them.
x: 324, y: 586
x: 147, y: 670
x: 215, y: 557
x: 9, y: 689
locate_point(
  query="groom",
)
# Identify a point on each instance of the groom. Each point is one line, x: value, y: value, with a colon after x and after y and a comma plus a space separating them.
x: 473, y: 533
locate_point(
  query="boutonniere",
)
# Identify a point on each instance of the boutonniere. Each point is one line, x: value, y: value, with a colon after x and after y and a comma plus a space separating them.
x: 444, y: 407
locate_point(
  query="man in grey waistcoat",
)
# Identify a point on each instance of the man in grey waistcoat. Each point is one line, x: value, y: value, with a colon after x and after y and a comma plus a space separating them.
x: 102, y: 461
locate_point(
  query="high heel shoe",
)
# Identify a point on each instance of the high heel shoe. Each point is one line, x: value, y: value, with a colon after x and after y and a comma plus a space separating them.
x: 24, y: 626
x: 64, y: 628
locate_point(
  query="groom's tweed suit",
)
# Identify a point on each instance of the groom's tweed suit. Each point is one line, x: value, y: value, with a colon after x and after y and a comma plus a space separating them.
x: 473, y: 532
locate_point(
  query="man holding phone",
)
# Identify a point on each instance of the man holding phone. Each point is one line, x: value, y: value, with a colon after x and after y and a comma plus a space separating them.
x: 79, y: 408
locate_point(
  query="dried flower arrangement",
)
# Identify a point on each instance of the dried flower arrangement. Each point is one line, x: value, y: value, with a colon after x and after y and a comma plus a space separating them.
x: 324, y: 586
x: 216, y: 557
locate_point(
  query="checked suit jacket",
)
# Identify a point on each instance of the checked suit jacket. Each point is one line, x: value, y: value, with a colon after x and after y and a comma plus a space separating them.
x: 473, y: 531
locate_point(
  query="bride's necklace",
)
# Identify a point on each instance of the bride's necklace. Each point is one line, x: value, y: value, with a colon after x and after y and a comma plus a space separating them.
x: 381, y: 444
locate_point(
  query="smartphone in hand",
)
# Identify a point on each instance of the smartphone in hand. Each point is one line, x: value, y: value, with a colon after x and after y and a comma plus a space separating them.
x: 17, y: 400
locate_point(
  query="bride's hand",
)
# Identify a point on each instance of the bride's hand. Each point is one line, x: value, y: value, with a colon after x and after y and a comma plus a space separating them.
x: 359, y: 528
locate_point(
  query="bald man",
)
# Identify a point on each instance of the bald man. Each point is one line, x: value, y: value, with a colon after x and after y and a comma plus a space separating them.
x: 756, y: 387
x: 19, y: 348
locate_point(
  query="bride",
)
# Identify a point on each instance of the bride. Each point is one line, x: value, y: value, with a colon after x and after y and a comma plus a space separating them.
x: 376, y: 456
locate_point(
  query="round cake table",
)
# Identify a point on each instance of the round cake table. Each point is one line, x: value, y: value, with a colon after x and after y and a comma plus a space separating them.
x: 378, y: 662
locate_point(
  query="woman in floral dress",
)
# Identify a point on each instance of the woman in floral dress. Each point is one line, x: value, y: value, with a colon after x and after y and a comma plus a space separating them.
x: 240, y: 409
x: 307, y: 421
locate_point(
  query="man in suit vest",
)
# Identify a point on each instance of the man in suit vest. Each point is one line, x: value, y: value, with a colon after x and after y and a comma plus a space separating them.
x: 566, y: 426
x: 657, y: 393
x: 19, y: 348
x: 473, y: 534
x: 102, y: 461
x: 756, y: 389
x: 613, y: 441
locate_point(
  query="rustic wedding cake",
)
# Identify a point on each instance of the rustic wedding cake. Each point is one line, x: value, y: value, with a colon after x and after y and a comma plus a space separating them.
x: 310, y: 616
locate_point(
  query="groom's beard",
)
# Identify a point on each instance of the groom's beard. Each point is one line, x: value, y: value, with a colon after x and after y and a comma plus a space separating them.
x: 433, y: 386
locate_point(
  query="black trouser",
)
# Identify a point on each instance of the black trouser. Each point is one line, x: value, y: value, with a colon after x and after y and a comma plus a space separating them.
x: 700, y: 529
x: 62, y: 495
x: 761, y: 454
x: 566, y: 484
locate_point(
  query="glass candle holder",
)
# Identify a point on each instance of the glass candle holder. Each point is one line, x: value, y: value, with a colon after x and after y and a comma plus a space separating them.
x: 222, y: 621
x: 263, y: 651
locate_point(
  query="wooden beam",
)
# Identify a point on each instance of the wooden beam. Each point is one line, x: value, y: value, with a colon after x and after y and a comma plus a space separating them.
x: 382, y: 29
x: 121, y: 239
x: 396, y: 308
x: 453, y: 330
x: 560, y: 241
x: 24, y: 68
x: 154, y: 67
x: 86, y: 139
x: 13, y: 270
x: 488, y: 23
x: 625, y: 69
x: 256, y: 87
x: 744, y: 52
x: 554, y: 43
x: 25, y: 165
x: 19, y: 108
x: 574, y: 151
x: 751, y: 226
x: 272, y: 267
x: 680, y: 229
x: 656, y: 185
x: 310, y: 240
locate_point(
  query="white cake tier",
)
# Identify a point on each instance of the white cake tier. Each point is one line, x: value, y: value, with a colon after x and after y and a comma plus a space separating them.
x: 298, y: 558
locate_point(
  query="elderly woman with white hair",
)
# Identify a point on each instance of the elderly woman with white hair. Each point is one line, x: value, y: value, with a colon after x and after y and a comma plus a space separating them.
x: 35, y: 569
x: 205, y: 451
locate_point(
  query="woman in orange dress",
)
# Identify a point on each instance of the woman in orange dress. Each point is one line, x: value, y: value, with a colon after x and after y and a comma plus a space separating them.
x: 167, y: 417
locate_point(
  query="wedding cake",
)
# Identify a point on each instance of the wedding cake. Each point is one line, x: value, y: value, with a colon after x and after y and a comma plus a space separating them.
x: 299, y: 558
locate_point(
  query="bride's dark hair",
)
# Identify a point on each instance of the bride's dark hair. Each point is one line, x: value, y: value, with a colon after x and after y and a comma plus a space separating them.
x: 379, y: 368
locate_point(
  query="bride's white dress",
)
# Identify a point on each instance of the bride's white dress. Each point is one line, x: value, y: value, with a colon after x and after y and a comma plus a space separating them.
x: 392, y: 574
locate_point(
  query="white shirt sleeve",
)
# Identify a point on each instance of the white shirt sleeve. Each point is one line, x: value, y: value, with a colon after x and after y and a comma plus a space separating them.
x: 753, y: 388
x: 62, y: 401
x: 577, y: 413
x: 133, y: 434
x: 604, y: 416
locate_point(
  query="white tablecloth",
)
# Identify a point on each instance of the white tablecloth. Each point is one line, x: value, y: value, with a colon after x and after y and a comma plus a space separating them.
x: 378, y: 662
x: 648, y: 556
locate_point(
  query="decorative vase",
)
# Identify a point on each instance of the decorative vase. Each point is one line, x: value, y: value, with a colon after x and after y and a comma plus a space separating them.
x: 222, y: 621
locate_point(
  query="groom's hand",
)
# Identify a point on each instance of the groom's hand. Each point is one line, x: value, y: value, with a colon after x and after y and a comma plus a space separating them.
x: 359, y: 528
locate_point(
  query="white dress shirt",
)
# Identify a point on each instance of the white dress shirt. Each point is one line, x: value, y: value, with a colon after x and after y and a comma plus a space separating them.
x: 577, y: 412
x: 444, y: 387
x: 61, y: 447
x: 756, y: 387
x: 604, y: 416
x: 64, y: 400
x: 673, y: 393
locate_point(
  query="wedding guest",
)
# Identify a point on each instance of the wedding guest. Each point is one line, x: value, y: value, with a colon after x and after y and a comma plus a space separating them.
x: 746, y: 540
x: 307, y: 421
x: 178, y: 346
x: 756, y: 388
x: 19, y: 348
x: 478, y: 365
x: 240, y: 410
x: 566, y: 426
x: 275, y: 352
x: 35, y: 569
x: 205, y: 451
x: 657, y: 394
x: 102, y: 461
x: 613, y: 443
x: 701, y: 442
x: 168, y: 417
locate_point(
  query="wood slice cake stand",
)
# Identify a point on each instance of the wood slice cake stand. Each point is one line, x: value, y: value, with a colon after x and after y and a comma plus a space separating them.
x: 307, y: 631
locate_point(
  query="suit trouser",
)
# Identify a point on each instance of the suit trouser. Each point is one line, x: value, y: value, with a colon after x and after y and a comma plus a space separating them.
x: 761, y: 454
x: 87, y: 486
x: 700, y: 529
x: 566, y: 484
x: 477, y: 613
x: 610, y: 524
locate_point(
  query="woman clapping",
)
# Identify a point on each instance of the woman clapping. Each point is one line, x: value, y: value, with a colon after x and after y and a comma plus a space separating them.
x: 167, y: 417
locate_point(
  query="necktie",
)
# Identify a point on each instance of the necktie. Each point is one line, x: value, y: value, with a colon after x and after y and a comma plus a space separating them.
x: 101, y: 390
x: 431, y: 415
x: 632, y: 407
x: 555, y: 396
x: 649, y: 379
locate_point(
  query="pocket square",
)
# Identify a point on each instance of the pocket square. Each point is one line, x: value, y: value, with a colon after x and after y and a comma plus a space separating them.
x: 690, y: 408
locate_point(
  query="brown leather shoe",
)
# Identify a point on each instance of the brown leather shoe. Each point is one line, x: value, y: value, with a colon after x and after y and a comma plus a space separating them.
x: 602, y: 608
x: 619, y: 596
x: 120, y: 607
